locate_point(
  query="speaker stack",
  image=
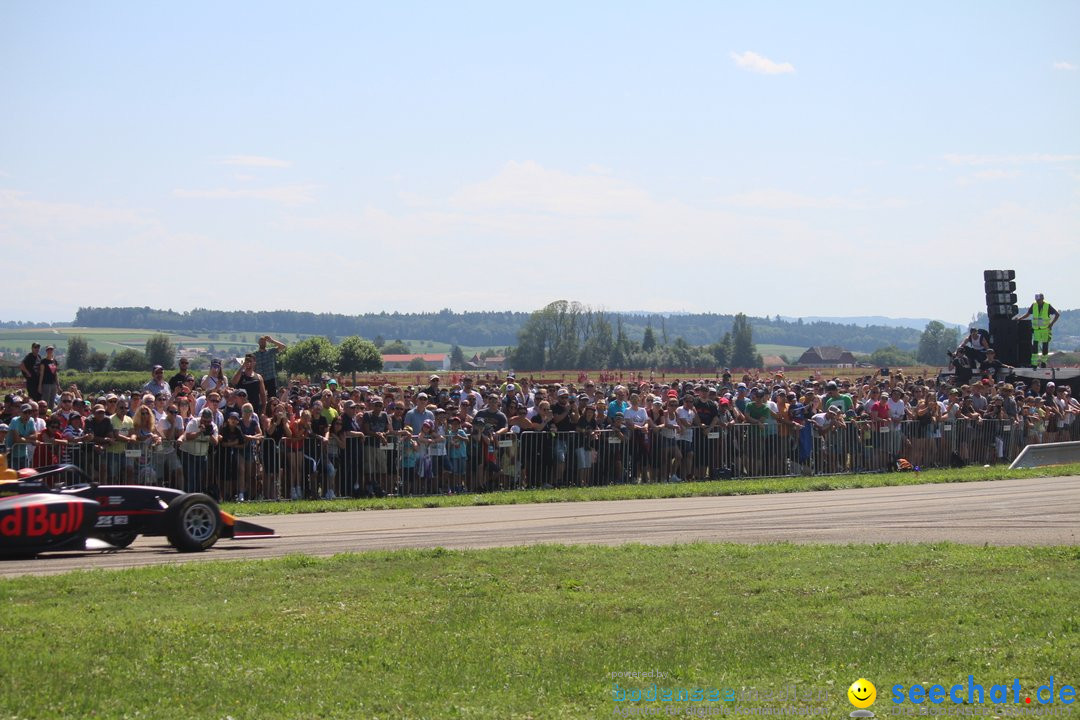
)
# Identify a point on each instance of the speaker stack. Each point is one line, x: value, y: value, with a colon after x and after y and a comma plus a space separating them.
x: 1010, y: 338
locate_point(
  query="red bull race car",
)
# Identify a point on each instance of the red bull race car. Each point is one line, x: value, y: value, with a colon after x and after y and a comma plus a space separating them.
x: 55, y: 508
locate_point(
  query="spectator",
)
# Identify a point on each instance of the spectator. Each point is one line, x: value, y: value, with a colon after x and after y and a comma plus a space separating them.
x: 492, y: 416
x: 171, y: 429
x: 833, y: 396
x: 181, y: 377
x: 157, y: 385
x: 266, y: 363
x: 419, y: 413
x: 215, y: 379
x: 48, y: 377
x: 30, y: 367
x: 122, y: 435
x: 252, y: 383
x: 200, y: 435
x: 376, y: 431
x: 21, y: 436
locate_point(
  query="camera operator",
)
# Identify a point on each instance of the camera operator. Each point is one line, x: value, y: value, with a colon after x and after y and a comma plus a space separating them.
x: 200, y: 434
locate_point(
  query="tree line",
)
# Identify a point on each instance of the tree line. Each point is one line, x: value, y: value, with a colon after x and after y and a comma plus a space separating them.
x: 498, y: 329
x: 567, y: 335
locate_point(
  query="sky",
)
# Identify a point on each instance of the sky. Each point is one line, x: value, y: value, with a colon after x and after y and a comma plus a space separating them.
x: 792, y: 158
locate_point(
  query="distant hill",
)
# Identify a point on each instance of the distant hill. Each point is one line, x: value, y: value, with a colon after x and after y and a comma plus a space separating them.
x: 903, y: 322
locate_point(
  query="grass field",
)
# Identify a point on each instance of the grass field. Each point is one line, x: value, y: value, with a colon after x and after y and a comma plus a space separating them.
x: 659, y: 490
x: 532, y: 632
x: 109, y: 339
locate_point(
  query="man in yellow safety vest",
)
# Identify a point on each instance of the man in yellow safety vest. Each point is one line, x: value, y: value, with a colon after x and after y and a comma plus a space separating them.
x: 1040, y: 313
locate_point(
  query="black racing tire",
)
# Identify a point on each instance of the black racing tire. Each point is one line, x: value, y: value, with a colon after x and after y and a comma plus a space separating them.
x: 119, y: 539
x: 193, y: 522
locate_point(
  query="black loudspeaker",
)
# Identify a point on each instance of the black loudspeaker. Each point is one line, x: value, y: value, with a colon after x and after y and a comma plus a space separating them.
x: 1023, y: 344
x: 1000, y: 286
x: 1003, y: 338
x: 1001, y: 311
x: 994, y: 286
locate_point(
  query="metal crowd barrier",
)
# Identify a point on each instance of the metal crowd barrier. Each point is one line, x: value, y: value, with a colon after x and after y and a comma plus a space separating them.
x: 296, y: 468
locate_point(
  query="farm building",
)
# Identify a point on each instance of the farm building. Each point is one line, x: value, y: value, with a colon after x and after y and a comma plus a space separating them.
x: 827, y: 356
x: 434, y: 361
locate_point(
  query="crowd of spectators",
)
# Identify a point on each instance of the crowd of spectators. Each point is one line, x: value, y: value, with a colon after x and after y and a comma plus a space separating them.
x: 237, y: 433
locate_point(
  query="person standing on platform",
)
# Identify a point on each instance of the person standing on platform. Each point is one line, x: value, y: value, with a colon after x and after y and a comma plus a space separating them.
x: 1042, y: 326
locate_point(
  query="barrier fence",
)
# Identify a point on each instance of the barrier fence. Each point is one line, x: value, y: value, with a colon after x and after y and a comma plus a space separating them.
x: 296, y: 468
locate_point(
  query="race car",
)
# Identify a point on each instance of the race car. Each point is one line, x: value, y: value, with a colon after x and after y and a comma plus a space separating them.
x: 56, y: 508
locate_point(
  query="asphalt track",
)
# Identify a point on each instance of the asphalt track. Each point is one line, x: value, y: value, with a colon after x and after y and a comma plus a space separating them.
x: 1038, y: 511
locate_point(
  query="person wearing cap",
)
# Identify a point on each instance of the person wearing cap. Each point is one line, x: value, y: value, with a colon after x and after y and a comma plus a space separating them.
x: 215, y: 379
x: 829, y: 438
x: 157, y: 385
x: 1043, y: 317
x: 182, y: 376
x: 833, y: 396
x: 200, y: 435
x: 377, y: 433
x: 48, y: 379
x: 20, y: 439
x: 31, y: 371
x: 231, y: 443
x: 416, y: 416
x: 992, y: 368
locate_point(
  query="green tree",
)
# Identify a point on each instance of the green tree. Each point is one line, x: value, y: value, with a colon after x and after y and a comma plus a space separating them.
x: 891, y: 357
x: 129, y: 359
x: 648, y: 342
x: 356, y: 354
x: 552, y: 337
x: 397, y: 347
x: 936, y: 340
x: 310, y: 358
x: 161, y: 351
x: 78, y: 353
x: 721, y: 351
x: 417, y: 364
x: 743, y: 352
x: 457, y: 358
x: 97, y: 361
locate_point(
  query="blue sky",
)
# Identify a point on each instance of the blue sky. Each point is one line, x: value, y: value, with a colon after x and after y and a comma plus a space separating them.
x: 771, y: 158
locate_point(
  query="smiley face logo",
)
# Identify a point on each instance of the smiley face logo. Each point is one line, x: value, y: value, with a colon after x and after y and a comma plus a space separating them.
x: 862, y: 693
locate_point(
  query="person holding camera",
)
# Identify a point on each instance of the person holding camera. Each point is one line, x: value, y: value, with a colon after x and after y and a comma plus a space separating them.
x: 200, y: 434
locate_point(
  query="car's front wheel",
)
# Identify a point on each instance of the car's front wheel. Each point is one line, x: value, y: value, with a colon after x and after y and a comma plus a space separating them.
x: 193, y: 522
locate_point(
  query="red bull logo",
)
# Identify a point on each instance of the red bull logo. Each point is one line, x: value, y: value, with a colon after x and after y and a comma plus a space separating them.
x: 56, y: 519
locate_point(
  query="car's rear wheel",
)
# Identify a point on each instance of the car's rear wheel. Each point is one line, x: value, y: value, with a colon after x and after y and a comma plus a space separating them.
x: 193, y: 522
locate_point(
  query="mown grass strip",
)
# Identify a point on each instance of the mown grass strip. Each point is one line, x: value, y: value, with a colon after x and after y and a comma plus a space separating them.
x: 659, y: 490
x: 530, y: 632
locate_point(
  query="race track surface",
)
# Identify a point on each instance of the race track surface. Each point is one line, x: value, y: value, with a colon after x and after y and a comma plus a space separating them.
x: 1038, y: 511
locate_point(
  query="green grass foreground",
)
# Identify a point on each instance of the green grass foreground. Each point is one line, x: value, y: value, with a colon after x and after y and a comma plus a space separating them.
x: 531, y: 632
x: 657, y: 490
